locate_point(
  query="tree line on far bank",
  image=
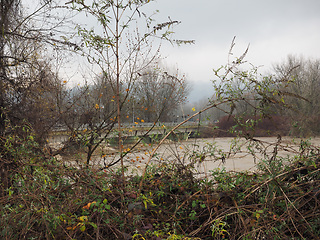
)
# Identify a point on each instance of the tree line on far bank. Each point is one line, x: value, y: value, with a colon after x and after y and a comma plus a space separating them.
x: 298, y: 116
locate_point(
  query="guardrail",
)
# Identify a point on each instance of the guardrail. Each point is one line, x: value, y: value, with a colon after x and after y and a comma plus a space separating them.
x: 137, y: 125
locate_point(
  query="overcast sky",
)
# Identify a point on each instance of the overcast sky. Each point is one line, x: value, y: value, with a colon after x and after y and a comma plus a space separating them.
x: 273, y: 28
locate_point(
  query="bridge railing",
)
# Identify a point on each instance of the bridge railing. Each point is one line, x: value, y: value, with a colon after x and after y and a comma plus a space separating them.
x: 158, y: 124
x: 135, y: 124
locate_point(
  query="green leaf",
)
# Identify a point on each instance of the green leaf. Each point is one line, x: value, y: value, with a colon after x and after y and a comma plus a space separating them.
x: 83, y: 228
x: 93, y: 225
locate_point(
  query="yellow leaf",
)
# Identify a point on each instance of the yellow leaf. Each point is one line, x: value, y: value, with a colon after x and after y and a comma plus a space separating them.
x: 84, y: 218
x: 97, y: 106
x: 193, y: 109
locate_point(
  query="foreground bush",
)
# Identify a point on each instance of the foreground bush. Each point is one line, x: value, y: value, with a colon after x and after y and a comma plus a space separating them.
x: 47, y: 200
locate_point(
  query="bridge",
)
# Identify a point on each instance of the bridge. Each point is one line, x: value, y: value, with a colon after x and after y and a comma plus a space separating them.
x: 132, y: 131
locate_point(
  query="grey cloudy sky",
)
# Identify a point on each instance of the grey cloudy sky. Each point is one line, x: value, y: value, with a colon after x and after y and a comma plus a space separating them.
x: 274, y: 29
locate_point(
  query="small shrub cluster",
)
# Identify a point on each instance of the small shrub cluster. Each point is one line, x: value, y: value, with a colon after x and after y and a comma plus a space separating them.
x: 229, y: 126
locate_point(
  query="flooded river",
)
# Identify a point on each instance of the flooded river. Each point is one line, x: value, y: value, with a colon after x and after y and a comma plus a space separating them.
x: 205, y: 154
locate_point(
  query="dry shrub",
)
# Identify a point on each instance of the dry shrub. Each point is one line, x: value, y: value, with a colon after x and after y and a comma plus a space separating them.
x: 48, y: 200
x: 73, y: 203
x: 270, y: 126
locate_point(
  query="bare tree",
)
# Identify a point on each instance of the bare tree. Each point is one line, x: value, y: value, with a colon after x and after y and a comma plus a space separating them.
x: 304, y: 80
x: 28, y: 84
x: 9, y: 9
x: 157, y: 95
x: 26, y: 43
x: 121, y: 52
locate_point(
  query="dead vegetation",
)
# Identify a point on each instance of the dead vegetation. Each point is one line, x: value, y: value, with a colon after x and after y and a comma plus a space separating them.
x: 47, y: 200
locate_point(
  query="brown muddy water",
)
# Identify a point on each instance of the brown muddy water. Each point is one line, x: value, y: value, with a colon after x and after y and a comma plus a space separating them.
x: 205, y: 154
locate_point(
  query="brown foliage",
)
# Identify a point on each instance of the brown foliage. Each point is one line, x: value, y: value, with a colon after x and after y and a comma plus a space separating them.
x: 271, y: 126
